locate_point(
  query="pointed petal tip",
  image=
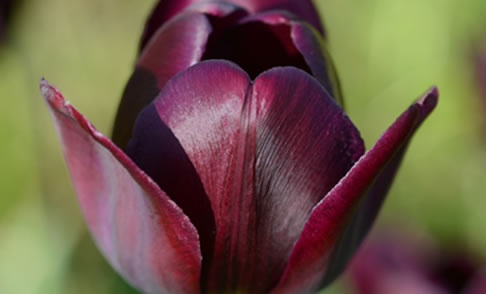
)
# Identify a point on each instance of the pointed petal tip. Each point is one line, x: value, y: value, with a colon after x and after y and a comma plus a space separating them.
x: 44, y: 88
x: 429, y: 99
x: 54, y: 98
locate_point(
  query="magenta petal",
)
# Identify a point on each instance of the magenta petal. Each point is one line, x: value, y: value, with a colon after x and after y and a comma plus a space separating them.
x: 187, y: 35
x: 161, y: 13
x: 141, y: 232
x: 311, y: 263
x: 266, y: 154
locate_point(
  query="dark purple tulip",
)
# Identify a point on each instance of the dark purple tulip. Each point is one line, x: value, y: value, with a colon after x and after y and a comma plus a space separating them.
x: 241, y: 174
x: 407, y: 264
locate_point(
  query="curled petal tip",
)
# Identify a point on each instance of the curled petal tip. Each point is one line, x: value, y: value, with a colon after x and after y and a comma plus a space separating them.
x: 429, y: 99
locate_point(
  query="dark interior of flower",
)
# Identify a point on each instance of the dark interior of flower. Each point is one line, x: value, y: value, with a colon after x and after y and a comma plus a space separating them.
x: 255, y: 46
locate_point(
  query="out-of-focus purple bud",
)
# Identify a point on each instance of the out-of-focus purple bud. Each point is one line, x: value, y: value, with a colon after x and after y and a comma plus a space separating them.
x: 406, y: 263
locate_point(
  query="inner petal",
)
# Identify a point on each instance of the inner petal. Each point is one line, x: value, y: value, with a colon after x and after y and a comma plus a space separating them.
x: 256, y: 46
x: 156, y: 151
x: 265, y: 154
x: 295, y: 145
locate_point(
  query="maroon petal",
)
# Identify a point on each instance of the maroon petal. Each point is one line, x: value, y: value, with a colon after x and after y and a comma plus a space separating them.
x: 142, y: 233
x: 187, y: 36
x: 311, y: 264
x: 166, y: 9
x: 265, y: 153
x: 311, y: 45
x: 156, y: 151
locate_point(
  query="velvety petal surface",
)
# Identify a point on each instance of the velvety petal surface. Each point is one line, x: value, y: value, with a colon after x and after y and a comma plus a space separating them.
x: 174, y: 47
x: 141, y: 232
x: 311, y: 263
x: 166, y: 9
x: 266, y: 153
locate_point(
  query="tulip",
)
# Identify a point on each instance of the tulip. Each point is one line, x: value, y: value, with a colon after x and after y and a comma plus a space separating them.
x: 405, y: 263
x: 233, y: 168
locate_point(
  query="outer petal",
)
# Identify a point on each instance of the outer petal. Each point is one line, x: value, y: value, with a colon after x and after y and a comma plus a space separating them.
x: 142, y: 233
x: 311, y: 264
x: 266, y: 154
x: 166, y: 9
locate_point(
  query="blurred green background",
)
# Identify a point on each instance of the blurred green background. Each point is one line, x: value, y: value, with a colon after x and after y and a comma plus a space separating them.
x: 387, y: 53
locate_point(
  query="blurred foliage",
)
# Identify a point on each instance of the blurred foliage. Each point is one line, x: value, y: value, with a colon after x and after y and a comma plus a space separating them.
x: 387, y: 53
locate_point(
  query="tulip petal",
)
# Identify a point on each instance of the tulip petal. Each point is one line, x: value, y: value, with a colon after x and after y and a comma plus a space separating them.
x: 304, y: 143
x: 266, y: 153
x: 156, y: 151
x: 166, y: 9
x: 303, y: 9
x: 311, y: 264
x: 311, y: 45
x: 141, y: 232
x: 187, y: 35
x: 300, y: 38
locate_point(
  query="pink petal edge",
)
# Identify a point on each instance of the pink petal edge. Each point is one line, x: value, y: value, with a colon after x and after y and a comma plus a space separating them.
x: 143, y: 234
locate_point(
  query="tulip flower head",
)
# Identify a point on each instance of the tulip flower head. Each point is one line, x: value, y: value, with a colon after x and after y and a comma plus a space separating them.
x: 233, y: 167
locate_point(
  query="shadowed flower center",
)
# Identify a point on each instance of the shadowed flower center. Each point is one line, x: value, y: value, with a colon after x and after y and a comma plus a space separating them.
x: 255, y: 46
